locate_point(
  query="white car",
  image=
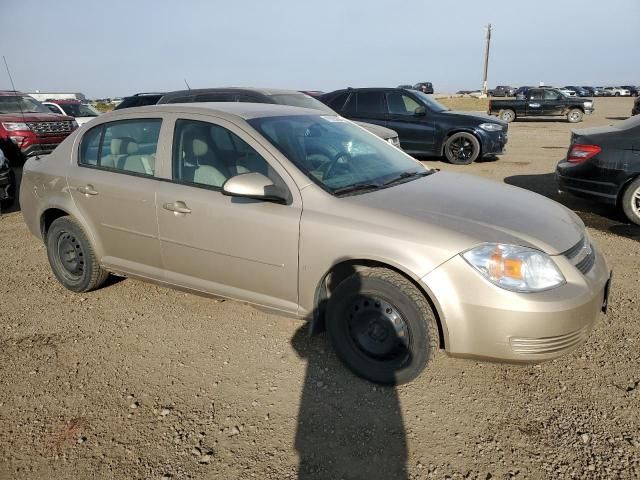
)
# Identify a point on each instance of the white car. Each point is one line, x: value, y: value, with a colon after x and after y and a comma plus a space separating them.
x: 81, y: 112
x: 567, y: 92
x: 618, y: 92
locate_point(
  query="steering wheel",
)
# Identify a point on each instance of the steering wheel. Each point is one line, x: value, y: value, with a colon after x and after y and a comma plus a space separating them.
x: 334, y: 162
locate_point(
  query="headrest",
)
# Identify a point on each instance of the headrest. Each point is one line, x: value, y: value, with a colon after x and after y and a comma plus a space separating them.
x: 123, y: 146
x: 200, y: 148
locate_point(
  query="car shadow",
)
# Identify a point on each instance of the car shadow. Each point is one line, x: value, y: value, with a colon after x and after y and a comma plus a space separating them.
x: 594, y: 215
x: 616, y: 118
x: 348, y: 428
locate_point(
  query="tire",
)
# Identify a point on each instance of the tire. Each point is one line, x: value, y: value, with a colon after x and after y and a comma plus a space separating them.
x: 462, y: 148
x: 80, y: 270
x: 381, y: 326
x: 575, y: 115
x: 507, y: 115
x: 617, y: 94
x: 631, y: 201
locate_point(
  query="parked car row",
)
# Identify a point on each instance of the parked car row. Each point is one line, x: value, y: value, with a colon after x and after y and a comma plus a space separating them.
x: 394, y: 259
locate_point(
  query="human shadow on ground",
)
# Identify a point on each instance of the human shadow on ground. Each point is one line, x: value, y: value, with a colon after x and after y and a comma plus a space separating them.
x: 595, y: 215
x: 348, y: 428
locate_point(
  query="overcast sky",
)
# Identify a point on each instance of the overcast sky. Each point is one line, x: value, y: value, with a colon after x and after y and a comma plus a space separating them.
x: 115, y: 48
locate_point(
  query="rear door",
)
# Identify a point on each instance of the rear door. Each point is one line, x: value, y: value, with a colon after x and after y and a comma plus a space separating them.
x: 370, y: 107
x: 235, y: 247
x: 417, y: 133
x: 534, y: 102
x: 114, y: 189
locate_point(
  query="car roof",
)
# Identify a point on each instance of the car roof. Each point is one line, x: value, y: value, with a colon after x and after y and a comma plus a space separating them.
x: 244, y: 110
x: 263, y: 91
x: 11, y: 93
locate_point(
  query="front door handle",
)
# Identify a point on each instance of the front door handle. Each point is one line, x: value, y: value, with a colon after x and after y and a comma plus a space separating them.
x: 534, y: 105
x: 177, y: 207
x: 87, y: 190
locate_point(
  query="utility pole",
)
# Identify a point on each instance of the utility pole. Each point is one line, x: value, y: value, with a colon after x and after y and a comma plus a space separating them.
x: 486, y: 62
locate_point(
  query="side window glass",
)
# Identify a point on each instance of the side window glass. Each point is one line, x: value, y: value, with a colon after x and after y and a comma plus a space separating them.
x: 207, y: 154
x: 337, y: 102
x: 247, y: 99
x: 536, y: 94
x: 53, y: 108
x: 350, y: 106
x: 214, y: 97
x: 181, y: 100
x: 401, y: 104
x: 130, y: 145
x: 90, y: 146
x: 370, y: 102
x: 551, y: 95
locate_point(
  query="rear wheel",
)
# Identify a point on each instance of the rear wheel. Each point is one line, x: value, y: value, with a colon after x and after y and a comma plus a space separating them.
x: 72, y: 258
x: 507, y: 115
x: 462, y: 148
x: 381, y: 326
x: 575, y: 115
x: 631, y: 201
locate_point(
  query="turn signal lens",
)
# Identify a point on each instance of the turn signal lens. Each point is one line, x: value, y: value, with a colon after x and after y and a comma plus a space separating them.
x: 579, y: 153
x: 516, y: 268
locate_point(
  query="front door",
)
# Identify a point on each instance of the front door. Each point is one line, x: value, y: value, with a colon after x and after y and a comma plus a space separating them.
x: 534, y: 102
x: 554, y: 103
x: 417, y: 133
x: 234, y: 247
x: 114, y: 190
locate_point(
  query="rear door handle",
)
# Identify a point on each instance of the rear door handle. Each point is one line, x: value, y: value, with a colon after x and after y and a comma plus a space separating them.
x: 87, y: 190
x: 177, y: 207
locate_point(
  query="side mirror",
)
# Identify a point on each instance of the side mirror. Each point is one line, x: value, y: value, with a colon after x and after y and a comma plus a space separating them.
x: 253, y: 185
x: 420, y: 111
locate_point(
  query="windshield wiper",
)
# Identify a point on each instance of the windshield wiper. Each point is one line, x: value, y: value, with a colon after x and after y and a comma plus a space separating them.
x: 407, y: 175
x: 356, y: 187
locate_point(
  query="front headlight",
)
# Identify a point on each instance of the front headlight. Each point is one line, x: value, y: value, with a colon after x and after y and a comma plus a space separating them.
x: 15, y: 126
x: 515, y: 268
x: 491, y: 127
x: 588, y: 104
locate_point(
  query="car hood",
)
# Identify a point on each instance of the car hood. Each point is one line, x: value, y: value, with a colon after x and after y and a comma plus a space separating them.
x: 381, y: 132
x: 478, y: 116
x: 462, y: 211
x: 34, y: 117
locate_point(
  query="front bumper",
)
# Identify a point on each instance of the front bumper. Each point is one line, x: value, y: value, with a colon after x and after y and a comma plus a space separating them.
x: 493, y: 143
x: 486, y: 321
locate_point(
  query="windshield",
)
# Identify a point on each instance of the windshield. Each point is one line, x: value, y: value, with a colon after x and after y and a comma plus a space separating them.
x: 300, y: 100
x: 21, y: 104
x: 430, y: 102
x: 335, y: 153
x: 78, y: 110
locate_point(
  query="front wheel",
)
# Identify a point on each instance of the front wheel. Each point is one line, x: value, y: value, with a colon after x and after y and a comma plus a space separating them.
x: 72, y: 258
x: 507, y: 115
x: 381, y: 326
x: 631, y: 201
x: 575, y: 115
x: 462, y: 148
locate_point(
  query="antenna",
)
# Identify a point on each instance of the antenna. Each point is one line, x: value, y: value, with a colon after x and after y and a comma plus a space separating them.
x: 24, y: 120
x: 187, y: 84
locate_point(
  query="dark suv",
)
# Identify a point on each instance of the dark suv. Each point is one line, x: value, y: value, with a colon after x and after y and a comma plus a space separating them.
x: 425, y: 127
x: 139, y: 100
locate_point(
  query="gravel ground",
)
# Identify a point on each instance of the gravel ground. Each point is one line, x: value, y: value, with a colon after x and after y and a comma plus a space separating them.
x: 138, y: 381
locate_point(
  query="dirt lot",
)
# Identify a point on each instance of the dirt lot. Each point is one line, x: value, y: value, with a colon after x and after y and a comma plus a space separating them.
x: 137, y: 381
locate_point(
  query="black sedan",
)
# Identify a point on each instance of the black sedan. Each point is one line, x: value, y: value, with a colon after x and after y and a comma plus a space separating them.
x: 603, y: 163
x: 425, y: 127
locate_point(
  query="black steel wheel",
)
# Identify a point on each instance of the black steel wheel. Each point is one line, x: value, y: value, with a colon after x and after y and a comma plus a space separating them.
x: 72, y: 258
x: 381, y: 326
x: 462, y: 148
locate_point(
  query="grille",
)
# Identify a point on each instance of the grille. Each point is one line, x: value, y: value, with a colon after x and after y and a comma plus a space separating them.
x: 541, y: 346
x: 51, y: 128
x: 582, y: 255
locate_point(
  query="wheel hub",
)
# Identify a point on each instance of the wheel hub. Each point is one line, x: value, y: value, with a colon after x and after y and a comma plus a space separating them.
x: 70, y: 254
x: 377, y: 328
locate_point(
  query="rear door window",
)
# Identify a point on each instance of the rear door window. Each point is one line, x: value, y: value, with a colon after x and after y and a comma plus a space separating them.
x: 370, y: 103
x: 125, y: 145
x: 401, y: 104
